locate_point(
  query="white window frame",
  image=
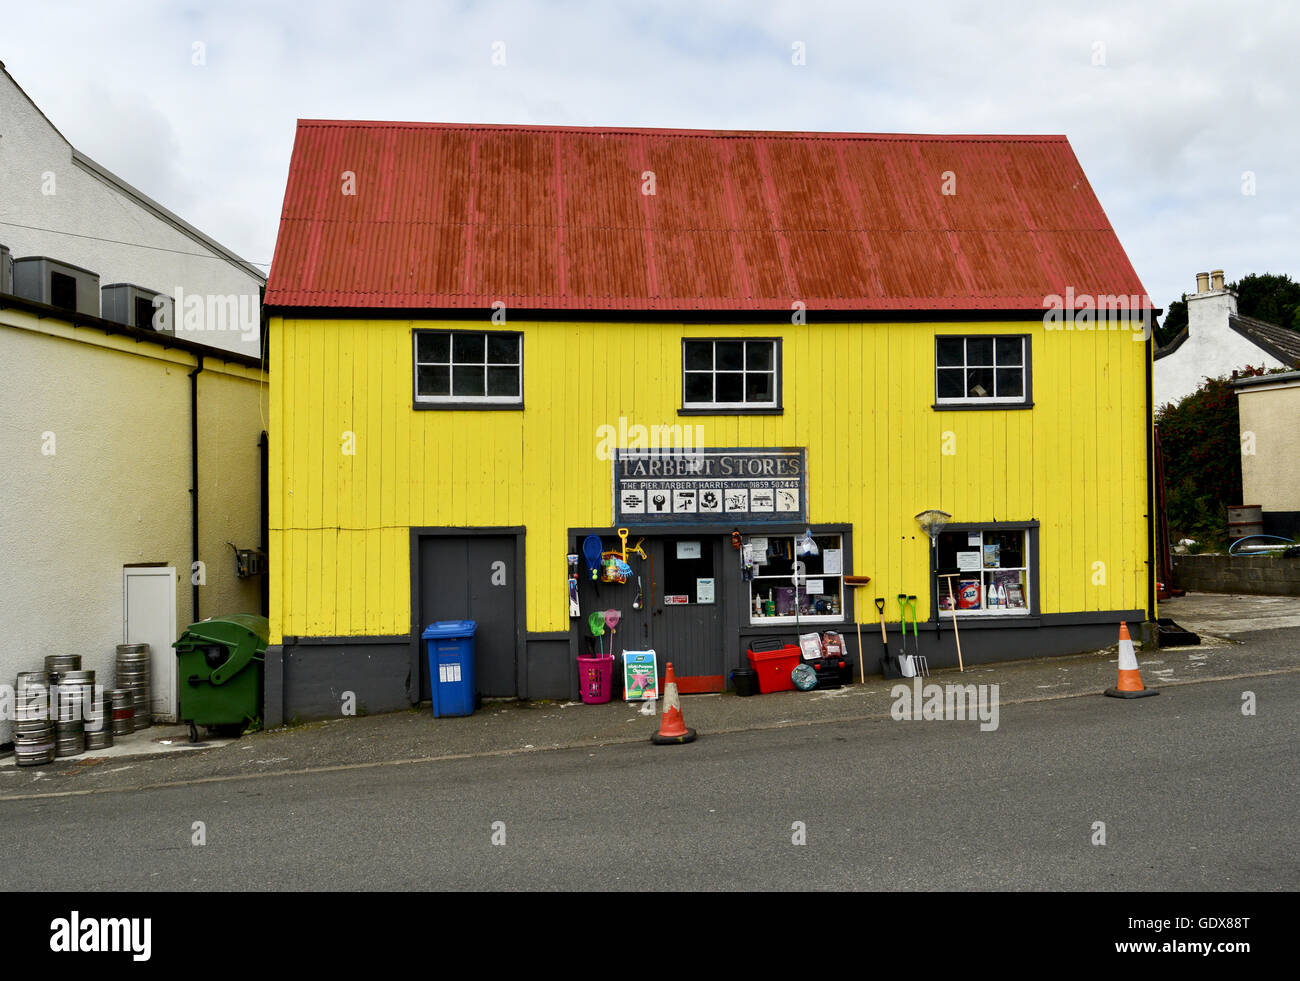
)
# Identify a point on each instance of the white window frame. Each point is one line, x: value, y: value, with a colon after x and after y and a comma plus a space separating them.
x: 1025, y: 543
x: 778, y: 581
x: 774, y: 372
x: 451, y: 363
x: 1021, y: 399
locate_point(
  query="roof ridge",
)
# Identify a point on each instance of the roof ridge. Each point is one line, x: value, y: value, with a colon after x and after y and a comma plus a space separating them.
x: 677, y: 131
x: 1264, y: 323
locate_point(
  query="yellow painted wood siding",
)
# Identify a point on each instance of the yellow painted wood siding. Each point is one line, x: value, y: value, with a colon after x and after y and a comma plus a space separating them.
x: 858, y: 396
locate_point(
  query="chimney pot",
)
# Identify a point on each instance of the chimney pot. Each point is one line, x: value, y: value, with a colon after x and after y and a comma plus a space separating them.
x: 1216, y: 279
x: 1202, y: 282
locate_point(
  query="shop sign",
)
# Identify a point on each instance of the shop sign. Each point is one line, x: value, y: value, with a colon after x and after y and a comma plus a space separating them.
x: 742, y: 486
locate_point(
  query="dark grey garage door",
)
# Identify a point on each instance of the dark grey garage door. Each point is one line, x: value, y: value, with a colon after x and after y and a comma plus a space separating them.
x: 472, y: 577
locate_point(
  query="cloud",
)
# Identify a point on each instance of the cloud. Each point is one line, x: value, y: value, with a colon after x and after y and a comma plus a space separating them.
x: 1188, y: 97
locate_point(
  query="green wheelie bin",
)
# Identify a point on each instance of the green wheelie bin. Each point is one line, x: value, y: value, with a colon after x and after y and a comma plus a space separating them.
x: 219, y: 669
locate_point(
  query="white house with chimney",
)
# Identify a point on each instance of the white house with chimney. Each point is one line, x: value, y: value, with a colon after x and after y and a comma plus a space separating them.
x: 75, y: 235
x: 1217, y: 341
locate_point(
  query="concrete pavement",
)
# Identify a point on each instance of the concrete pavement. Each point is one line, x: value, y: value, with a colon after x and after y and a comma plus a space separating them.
x: 507, y: 728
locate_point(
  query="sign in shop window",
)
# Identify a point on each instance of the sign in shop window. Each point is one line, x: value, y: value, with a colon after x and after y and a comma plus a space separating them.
x: 744, y: 486
x: 992, y: 570
x: 772, y: 592
x: 689, y: 574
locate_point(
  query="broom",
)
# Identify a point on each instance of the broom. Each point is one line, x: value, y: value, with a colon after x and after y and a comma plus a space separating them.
x: 858, y: 582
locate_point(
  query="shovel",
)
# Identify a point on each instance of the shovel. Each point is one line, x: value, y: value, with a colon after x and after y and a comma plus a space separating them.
x: 888, y: 667
x: 904, y: 659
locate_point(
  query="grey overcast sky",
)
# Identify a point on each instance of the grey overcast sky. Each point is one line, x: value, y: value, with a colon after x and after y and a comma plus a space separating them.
x: 1167, y: 105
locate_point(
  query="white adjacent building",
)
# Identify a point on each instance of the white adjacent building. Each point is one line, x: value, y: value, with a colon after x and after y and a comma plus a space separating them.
x: 130, y: 496
x: 57, y: 202
x: 1218, y: 341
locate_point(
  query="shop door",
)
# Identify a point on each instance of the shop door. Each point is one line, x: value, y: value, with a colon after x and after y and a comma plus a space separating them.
x: 671, y: 621
x: 472, y: 577
x: 687, y: 613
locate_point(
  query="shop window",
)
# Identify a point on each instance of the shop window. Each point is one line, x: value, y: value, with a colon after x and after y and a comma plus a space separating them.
x: 688, y: 572
x: 731, y: 375
x: 467, y: 368
x: 772, y: 594
x: 981, y: 370
x: 992, y: 567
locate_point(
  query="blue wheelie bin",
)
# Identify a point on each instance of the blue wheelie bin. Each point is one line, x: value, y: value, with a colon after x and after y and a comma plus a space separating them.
x: 451, y: 666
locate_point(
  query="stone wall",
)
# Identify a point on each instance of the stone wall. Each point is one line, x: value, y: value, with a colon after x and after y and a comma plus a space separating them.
x: 1238, y: 574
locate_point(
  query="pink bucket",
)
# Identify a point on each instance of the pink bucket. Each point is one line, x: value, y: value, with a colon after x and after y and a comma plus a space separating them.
x: 595, y: 678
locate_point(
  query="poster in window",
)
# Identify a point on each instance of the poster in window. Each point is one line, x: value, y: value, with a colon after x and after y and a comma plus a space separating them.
x: 968, y: 561
x: 832, y: 561
x: 704, y: 590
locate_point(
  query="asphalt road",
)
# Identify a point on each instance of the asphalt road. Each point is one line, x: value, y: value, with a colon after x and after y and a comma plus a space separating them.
x: 1193, y: 794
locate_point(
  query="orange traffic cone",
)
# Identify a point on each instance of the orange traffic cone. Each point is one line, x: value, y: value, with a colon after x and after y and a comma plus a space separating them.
x: 673, y: 728
x: 1130, y: 679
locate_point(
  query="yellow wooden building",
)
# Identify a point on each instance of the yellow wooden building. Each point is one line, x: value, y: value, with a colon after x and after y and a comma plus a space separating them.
x: 489, y: 343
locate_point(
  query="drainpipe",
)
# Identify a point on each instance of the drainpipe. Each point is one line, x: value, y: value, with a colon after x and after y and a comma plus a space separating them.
x: 1152, y: 497
x: 194, y: 483
x: 264, y: 445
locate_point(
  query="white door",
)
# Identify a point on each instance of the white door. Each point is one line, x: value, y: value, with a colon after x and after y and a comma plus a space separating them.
x: 149, y: 617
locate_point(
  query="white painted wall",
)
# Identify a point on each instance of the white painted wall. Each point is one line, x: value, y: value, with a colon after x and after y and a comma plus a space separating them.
x: 96, y: 476
x: 35, y: 158
x: 1270, y: 461
x: 1212, y: 348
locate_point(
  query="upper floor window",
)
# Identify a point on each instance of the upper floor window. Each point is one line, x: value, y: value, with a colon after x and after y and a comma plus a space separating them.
x: 731, y: 375
x: 981, y: 370
x: 462, y: 367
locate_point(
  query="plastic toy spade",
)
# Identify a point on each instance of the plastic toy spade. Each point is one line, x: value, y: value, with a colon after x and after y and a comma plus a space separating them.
x: 635, y: 549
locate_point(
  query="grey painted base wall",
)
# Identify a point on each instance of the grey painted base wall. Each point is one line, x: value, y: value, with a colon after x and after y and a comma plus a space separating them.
x: 1255, y: 575
x: 981, y: 642
x: 306, y: 678
x: 551, y: 673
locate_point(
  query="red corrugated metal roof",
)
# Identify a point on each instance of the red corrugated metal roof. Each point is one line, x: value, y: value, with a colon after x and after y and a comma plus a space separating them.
x: 458, y: 216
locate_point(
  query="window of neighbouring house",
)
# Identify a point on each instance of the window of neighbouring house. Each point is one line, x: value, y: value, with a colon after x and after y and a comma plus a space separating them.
x: 992, y: 568
x: 460, y: 367
x: 981, y: 370
x: 772, y: 593
x: 731, y: 375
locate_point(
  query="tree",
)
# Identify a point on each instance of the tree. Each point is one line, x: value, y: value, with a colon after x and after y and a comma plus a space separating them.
x: 1201, y: 448
x: 1200, y: 443
x: 1275, y: 298
x: 1175, y: 320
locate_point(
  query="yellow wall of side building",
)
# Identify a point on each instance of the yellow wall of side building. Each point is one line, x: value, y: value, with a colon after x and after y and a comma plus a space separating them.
x: 115, y: 490
x: 858, y: 396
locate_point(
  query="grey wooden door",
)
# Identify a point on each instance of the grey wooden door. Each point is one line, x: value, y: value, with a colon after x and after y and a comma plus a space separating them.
x: 687, y: 631
x: 689, y: 634
x: 472, y: 577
